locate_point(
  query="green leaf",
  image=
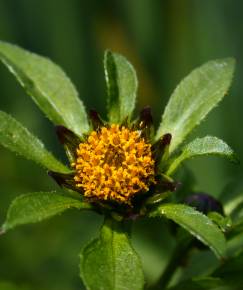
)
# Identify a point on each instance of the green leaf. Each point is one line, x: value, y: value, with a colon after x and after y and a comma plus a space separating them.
x: 110, y: 262
x: 202, y: 146
x: 38, y: 206
x: 18, y: 139
x: 194, y: 98
x: 121, y: 81
x: 196, y: 223
x: 48, y: 86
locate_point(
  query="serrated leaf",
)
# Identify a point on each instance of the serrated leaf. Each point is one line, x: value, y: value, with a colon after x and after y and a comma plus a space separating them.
x: 38, y: 206
x: 18, y: 139
x: 121, y: 82
x: 202, y: 146
x: 194, y: 98
x: 110, y: 262
x: 48, y: 86
x: 196, y: 223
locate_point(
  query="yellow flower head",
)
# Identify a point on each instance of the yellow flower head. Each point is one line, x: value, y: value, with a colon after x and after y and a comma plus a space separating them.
x: 116, y: 166
x: 115, y: 163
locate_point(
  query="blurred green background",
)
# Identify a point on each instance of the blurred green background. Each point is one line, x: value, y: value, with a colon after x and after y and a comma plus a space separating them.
x: 164, y: 40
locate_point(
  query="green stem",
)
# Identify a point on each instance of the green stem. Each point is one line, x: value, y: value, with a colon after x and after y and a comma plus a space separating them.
x: 179, y: 253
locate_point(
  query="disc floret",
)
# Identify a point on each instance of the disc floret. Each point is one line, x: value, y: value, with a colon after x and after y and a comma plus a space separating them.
x: 114, y: 164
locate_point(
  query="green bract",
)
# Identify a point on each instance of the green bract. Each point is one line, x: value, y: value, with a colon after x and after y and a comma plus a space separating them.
x: 110, y: 262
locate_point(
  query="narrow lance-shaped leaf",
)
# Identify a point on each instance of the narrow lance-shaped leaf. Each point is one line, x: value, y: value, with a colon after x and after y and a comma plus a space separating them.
x: 110, y: 262
x: 38, y: 206
x: 48, y: 86
x: 18, y: 139
x: 202, y: 146
x: 121, y: 81
x: 198, y: 224
x: 194, y: 98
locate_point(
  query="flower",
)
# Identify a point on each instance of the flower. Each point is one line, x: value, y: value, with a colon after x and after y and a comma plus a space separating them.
x: 121, y: 164
x: 115, y: 164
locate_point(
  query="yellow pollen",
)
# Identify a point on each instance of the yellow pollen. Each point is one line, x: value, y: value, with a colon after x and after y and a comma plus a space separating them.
x: 114, y: 164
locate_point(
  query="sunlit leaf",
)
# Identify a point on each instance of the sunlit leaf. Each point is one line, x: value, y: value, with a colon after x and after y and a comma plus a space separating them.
x: 38, y: 206
x: 196, y: 223
x: 121, y: 81
x: 194, y: 98
x: 110, y: 262
x: 48, y: 86
x: 18, y: 139
x: 202, y: 146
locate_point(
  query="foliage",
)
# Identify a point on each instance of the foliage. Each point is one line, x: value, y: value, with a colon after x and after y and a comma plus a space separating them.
x: 110, y: 262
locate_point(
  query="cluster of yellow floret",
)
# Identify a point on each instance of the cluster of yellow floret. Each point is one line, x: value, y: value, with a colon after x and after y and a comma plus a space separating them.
x: 114, y: 164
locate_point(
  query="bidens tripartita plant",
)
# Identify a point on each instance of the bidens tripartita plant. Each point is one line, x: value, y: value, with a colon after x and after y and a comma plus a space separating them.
x: 121, y: 166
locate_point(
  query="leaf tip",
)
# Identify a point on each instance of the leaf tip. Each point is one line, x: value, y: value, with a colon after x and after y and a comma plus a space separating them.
x: 166, y: 139
x: 95, y: 119
x: 228, y: 61
x: 146, y: 115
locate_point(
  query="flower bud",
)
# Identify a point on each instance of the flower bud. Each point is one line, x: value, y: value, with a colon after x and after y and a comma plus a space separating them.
x: 204, y: 203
